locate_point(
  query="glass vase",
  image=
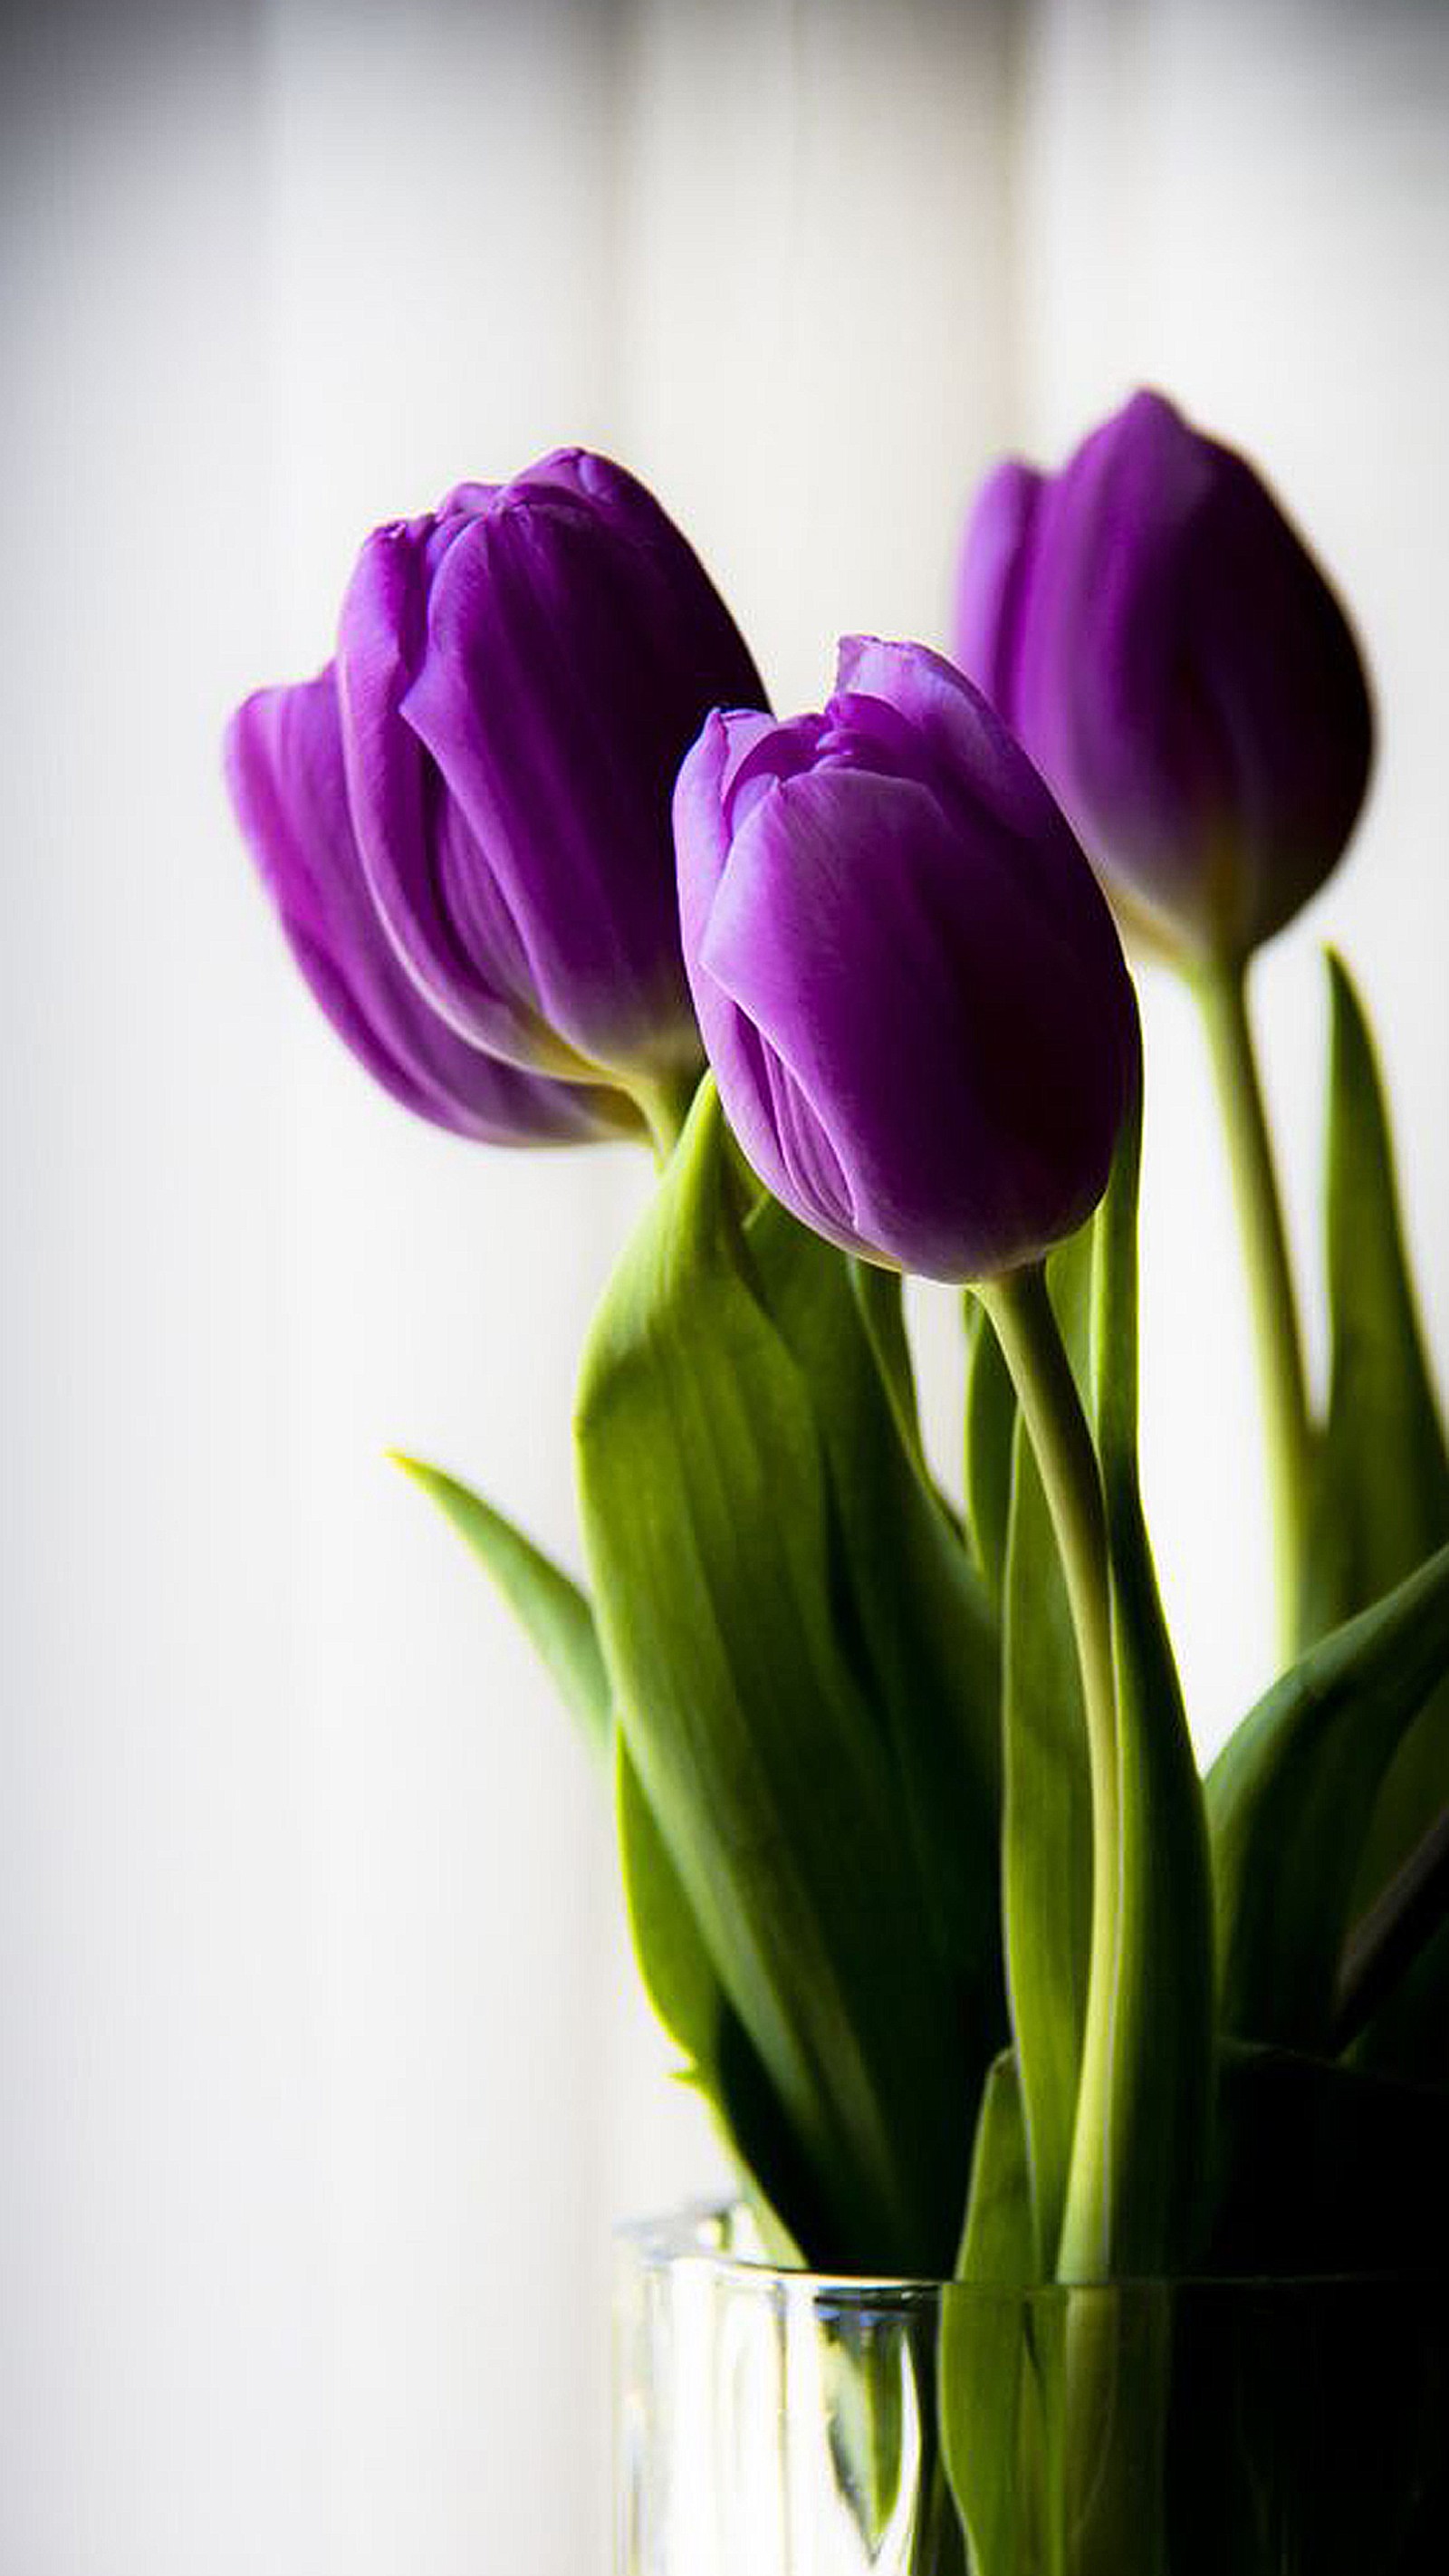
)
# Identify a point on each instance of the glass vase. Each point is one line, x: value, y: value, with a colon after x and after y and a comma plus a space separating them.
x: 777, y: 2423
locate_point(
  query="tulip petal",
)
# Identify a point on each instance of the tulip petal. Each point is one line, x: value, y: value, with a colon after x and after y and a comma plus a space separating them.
x: 993, y: 578
x: 482, y: 986
x: 522, y: 628
x: 781, y: 1139
x: 520, y: 678
x: 1157, y: 634
x: 285, y: 772
x: 883, y: 910
x: 979, y: 774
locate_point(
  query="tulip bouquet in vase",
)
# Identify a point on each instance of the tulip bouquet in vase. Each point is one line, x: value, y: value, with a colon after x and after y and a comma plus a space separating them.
x: 1090, y: 2115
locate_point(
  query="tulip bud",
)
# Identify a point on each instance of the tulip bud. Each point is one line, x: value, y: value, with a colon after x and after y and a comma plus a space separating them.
x: 284, y: 770
x: 907, y: 980
x: 520, y: 676
x: 1162, y: 642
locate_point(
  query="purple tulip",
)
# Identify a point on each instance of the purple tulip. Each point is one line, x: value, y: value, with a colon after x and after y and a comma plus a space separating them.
x: 1158, y: 636
x: 908, y: 983
x: 520, y: 676
x: 284, y: 770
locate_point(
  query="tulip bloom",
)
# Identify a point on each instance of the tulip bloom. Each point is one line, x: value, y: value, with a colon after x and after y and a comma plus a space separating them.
x: 908, y: 982
x: 1160, y: 639
x: 284, y: 770
x: 519, y: 677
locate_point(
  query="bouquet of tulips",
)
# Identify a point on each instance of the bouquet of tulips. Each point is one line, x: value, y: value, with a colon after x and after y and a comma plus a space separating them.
x: 977, y: 1975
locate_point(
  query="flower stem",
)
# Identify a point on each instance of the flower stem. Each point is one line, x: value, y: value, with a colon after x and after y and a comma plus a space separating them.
x: 664, y: 1106
x: 1026, y: 1328
x: 1222, y: 998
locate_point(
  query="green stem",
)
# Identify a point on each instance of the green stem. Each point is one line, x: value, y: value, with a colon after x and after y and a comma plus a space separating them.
x: 1026, y: 1328
x: 1222, y: 998
x: 664, y: 1105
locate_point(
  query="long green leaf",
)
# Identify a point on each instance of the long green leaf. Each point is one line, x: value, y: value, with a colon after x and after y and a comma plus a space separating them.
x: 1158, y: 2100
x: 680, y: 1981
x: 1047, y: 1846
x: 990, y: 1409
x: 1047, y: 1834
x: 878, y: 1297
x: 550, y: 1607
x: 912, y: 1615
x: 677, y: 1972
x: 708, y: 1517
x: 1381, y: 1499
x: 990, y: 1419
x: 1137, y: 2185
x: 982, y: 2357
x: 1289, y: 1801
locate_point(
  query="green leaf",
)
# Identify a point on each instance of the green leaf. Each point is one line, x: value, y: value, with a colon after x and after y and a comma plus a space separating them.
x: 1047, y: 1834
x: 1381, y: 1490
x: 996, y: 2249
x: 549, y: 1606
x: 912, y: 1616
x: 867, y: 2387
x: 678, y: 1972
x: 878, y: 1296
x: 1046, y: 1849
x: 1383, y: 1475
x: 990, y: 1429
x: 711, y: 1529
x: 982, y: 2361
x: 1158, y: 2099
x: 680, y: 1981
x: 1140, y: 2129
x: 1289, y: 1802
x: 675, y: 1967
x: 1047, y: 1846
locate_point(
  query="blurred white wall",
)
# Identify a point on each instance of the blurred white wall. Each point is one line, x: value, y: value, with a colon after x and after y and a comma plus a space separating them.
x: 322, y: 2071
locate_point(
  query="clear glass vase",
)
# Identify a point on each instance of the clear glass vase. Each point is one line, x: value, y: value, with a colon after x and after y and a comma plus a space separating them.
x: 776, y: 2423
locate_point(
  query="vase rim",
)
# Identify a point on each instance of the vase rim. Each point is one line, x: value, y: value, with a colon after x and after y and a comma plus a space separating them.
x: 682, y: 2237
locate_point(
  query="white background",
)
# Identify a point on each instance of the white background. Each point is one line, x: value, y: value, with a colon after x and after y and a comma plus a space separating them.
x: 322, y: 2071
